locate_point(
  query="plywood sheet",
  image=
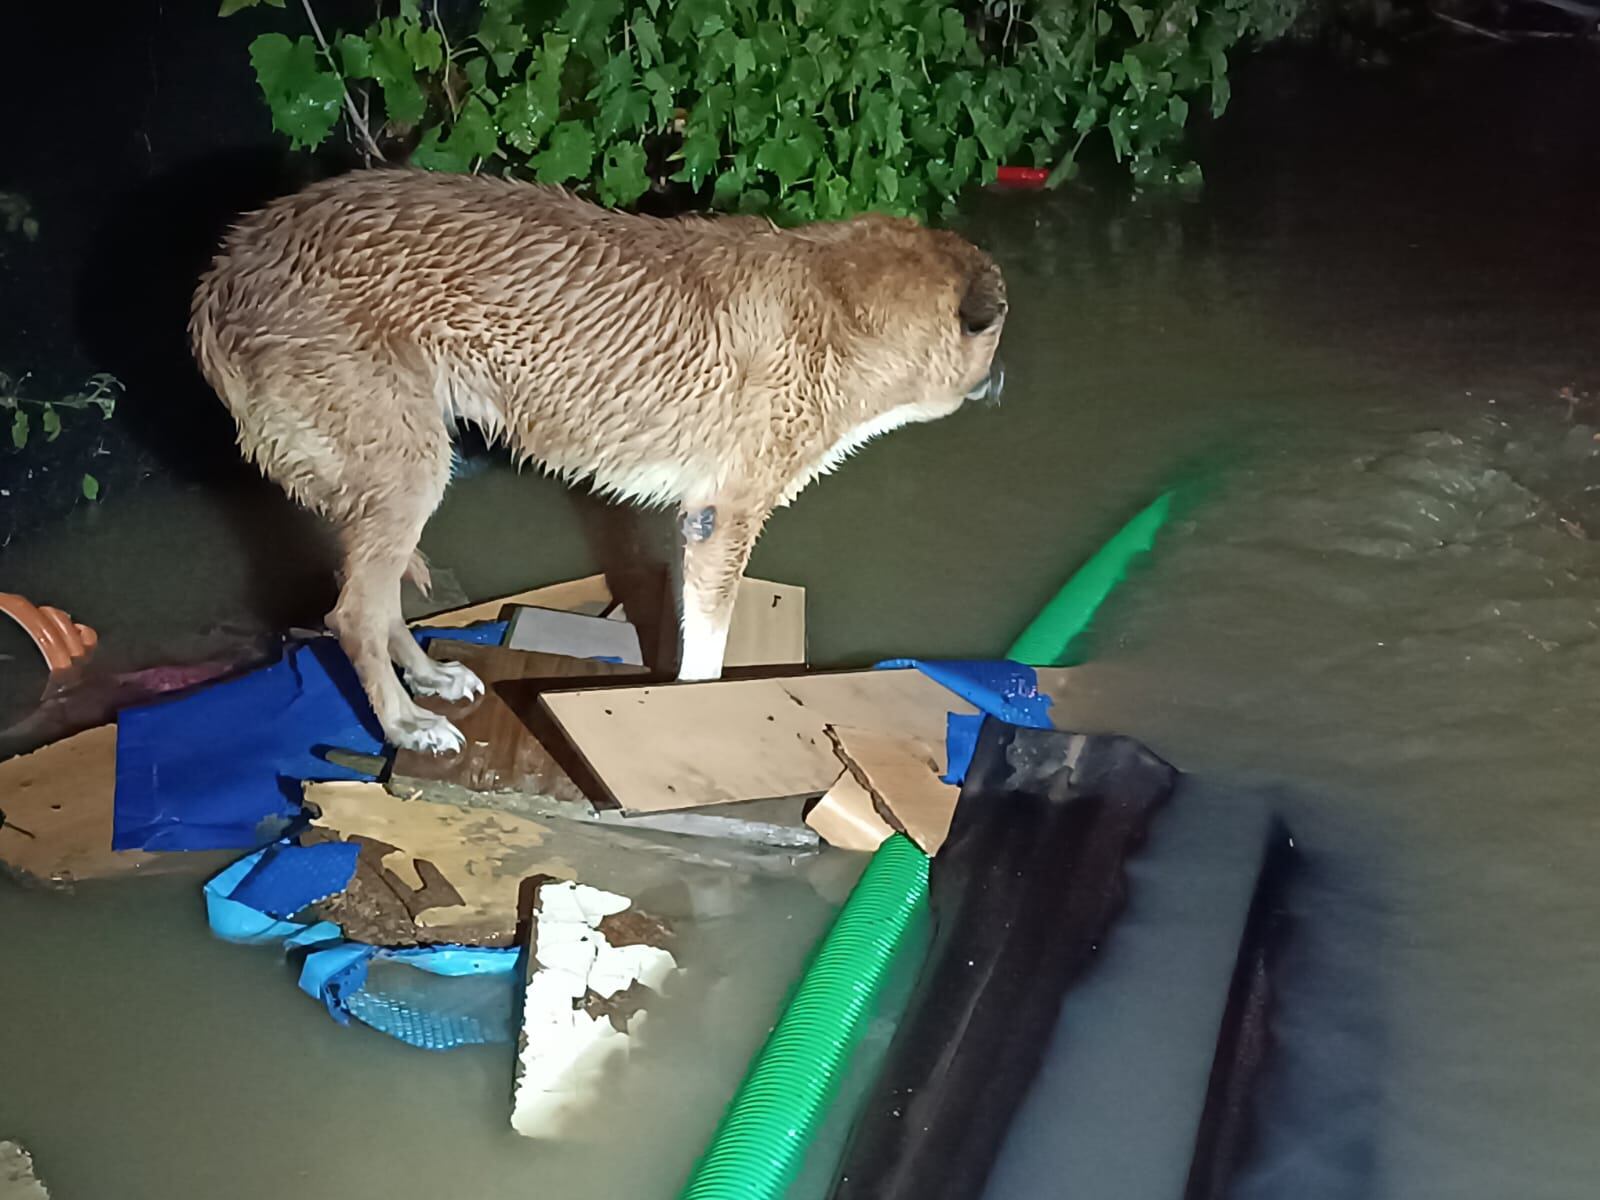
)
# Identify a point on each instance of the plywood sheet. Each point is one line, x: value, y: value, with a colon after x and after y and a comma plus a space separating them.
x: 663, y: 747
x: 502, y: 754
x: 58, y: 804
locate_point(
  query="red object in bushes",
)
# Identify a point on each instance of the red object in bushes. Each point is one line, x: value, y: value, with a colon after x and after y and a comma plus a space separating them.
x: 1021, y: 177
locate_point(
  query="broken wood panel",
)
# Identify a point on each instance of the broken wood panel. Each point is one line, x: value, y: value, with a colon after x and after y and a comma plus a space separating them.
x: 58, y: 804
x: 409, y: 847
x: 502, y: 754
x: 902, y: 782
x: 768, y: 626
x: 671, y: 746
x: 588, y: 595
x: 846, y: 818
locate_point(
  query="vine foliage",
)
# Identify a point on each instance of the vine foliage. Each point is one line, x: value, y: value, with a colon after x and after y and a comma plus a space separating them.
x: 798, y: 109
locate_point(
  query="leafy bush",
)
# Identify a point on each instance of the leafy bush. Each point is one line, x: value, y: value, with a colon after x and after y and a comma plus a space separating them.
x: 795, y: 108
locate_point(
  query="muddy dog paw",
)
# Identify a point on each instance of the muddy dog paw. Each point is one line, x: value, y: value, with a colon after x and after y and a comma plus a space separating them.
x: 446, y: 680
x: 427, y: 733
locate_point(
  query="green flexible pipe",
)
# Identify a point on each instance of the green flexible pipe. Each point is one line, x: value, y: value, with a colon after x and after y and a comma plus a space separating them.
x: 763, y: 1137
x: 1049, y: 636
x: 760, y: 1144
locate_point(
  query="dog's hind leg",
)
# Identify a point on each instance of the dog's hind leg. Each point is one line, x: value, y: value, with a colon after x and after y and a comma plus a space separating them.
x: 717, y: 540
x: 379, y: 537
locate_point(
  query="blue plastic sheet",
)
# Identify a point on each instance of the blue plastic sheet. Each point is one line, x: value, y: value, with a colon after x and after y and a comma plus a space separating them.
x: 469, y: 1002
x: 220, y: 768
x: 237, y: 922
x: 290, y: 877
x: 999, y: 688
x: 433, y: 997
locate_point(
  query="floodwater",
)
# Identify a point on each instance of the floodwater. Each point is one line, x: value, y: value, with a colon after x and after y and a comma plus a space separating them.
x: 1383, y: 606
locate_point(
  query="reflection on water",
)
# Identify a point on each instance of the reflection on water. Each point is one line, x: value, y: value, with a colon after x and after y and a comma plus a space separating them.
x: 1384, y: 609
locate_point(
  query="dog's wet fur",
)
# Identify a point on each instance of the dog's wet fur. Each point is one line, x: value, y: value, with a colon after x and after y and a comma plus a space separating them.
x: 717, y: 364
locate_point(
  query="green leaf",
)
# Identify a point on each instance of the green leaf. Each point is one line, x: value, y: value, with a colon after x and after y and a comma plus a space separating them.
x: 622, y: 179
x: 1138, y: 17
x: 1178, y: 111
x: 472, y: 137
x: 955, y: 29
x: 425, y: 47
x: 661, y: 95
x: 1102, y: 22
x: 19, y: 429
x: 888, y: 182
x: 530, y: 109
x: 701, y: 153
x: 648, y: 41
x: 1135, y: 70
x: 502, y: 33
x: 744, y: 59
x: 786, y: 158
x: 568, y: 155
x: 1221, y: 91
x: 396, y: 73
x: 91, y: 488
x: 50, y: 422
x: 355, y: 56
x: 229, y: 7
x: 304, y: 99
x: 728, y: 187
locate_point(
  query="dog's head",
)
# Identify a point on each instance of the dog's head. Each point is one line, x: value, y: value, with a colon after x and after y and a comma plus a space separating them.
x: 928, y: 309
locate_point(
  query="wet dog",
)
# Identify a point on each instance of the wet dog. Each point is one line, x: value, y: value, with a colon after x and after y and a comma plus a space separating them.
x: 718, y: 365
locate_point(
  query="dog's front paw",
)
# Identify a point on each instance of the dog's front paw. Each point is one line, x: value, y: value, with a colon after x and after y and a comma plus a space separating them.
x: 427, y: 733
x: 446, y: 680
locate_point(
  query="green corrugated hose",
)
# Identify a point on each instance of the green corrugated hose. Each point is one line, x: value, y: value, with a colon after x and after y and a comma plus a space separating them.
x: 1049, y: 636
x: 762, y: 1140
x: 758, y: 1148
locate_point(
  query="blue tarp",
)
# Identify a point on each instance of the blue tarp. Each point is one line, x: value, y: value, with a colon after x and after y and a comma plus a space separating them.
x: 220, y: 768
x: 999, y: 688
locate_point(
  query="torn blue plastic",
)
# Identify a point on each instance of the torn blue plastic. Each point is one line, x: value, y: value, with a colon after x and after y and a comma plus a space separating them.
x: 1000, y: 688
x: 315, y: 937
x: 237, y: 922
x: 960, y: 743
x: 484, y: 633
x: 221, y: 768
x: 289, y: 877
x: 473, y: 1007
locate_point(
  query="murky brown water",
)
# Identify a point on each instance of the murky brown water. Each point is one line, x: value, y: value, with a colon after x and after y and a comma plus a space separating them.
x: 1385, y: 608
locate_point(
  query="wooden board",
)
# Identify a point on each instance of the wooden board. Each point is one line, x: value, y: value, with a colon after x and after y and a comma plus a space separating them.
x: 671, y: 746
x: 846, y: 818
x: 502, y: 753
x: 58, y: 804
x: 902, y: 782
x: 768, y: 626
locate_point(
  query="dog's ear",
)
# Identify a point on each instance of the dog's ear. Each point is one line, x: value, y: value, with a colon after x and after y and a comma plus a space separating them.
x: 984, y: 300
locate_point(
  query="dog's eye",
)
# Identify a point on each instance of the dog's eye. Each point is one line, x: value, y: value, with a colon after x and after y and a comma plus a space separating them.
x: 972, y: 327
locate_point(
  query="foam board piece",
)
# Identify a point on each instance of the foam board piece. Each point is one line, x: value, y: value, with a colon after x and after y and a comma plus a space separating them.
x: 552, y: 631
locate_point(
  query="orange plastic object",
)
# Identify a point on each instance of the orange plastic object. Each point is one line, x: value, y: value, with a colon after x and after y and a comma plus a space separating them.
x: 60, y: 639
